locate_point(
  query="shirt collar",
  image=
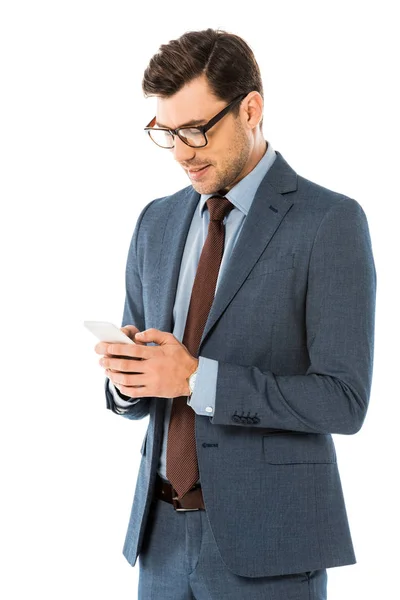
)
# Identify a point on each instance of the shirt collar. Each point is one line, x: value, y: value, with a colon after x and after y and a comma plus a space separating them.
x: 242, y: 194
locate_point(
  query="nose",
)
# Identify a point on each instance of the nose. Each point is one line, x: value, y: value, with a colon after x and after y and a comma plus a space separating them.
x: 181, y: 151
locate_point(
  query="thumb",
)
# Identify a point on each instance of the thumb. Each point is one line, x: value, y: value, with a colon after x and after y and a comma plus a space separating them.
x: 155, y: 335
x: 130, y: 331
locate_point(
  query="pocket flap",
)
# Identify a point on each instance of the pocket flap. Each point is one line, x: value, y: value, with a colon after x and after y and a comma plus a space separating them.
x: 295, y: 448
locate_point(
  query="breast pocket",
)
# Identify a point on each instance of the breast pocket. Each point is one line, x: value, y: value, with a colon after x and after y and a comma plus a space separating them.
x: 272, y: 265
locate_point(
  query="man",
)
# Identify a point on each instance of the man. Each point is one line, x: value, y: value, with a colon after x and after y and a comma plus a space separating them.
x: 253, y: 290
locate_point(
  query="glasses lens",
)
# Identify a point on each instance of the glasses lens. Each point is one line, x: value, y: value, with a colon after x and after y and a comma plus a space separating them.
x: 193, y: 136
x: 162, y: 138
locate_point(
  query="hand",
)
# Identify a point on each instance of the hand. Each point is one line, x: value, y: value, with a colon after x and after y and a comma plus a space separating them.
x: 163, y: 371
x: 130, y: 331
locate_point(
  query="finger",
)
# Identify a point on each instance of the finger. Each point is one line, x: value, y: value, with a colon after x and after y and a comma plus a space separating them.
x: 131, y: 380
x: 101, y: 347
x: 134, y: 392
x: 131, y: 350
x: 157, y: 336
x: 130, y: 331
x: 123, y: 365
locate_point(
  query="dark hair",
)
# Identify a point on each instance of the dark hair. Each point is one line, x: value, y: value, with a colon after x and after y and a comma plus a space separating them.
x: 224, y: 58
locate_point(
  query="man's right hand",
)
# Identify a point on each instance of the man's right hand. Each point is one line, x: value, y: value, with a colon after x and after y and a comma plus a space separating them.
x: 129, y: 330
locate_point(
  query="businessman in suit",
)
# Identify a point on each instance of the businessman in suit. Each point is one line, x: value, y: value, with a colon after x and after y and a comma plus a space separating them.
x: 250, y: 295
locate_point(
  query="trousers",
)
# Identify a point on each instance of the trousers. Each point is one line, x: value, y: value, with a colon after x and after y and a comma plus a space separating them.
x: 179, y: 560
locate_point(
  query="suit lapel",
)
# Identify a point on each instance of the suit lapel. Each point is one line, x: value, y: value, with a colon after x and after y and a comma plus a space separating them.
x: 267, y: 211
x: 173, y: 245
x: 257, y: 231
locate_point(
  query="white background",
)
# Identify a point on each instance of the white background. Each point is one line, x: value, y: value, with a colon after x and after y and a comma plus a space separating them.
x: 76, y: 169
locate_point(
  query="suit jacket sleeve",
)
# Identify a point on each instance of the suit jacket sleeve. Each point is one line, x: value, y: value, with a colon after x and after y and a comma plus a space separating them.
x: 133, y: 315
x: 333, y: 395
x: 203, y: 398
x: 120, y: 399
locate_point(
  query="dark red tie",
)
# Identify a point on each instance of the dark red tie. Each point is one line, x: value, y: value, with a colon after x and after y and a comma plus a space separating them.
x: 182, y: 466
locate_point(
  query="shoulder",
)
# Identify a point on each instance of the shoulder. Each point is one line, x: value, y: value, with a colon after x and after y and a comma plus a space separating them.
x: 321, y: 201
x: 159, y: 208
x: 311, y: 201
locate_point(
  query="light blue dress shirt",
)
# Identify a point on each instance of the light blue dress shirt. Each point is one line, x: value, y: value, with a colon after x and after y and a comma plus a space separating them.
x: 241, y: 195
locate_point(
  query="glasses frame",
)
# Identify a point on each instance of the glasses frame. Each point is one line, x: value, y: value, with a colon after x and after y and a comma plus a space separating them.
x: 202, y: 128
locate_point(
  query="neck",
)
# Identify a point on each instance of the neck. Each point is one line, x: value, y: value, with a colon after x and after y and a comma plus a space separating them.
x: 260, y: 148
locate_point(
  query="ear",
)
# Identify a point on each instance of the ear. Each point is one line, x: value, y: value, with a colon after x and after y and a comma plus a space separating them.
x: 253, y: 106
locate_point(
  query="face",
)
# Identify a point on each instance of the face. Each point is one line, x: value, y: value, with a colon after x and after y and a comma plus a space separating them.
x: 231, y: 142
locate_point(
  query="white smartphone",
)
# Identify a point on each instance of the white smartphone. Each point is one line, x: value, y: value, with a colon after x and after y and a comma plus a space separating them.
x: 107, y: 332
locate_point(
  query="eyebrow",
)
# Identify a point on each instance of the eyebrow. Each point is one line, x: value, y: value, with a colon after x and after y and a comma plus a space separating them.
x: 188, y: 124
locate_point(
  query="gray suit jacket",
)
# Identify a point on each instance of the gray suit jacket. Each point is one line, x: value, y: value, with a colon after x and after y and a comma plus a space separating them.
x: 292, y: 327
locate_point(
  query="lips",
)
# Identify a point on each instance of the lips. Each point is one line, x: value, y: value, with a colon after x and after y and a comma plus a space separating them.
x: 197, y: 169
x: 199, y: 173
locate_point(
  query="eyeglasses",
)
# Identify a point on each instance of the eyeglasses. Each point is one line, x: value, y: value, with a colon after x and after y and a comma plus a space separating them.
x: 195, y: 137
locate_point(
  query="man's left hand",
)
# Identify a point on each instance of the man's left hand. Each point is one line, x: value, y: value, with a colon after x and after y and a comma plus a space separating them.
x: 163, y: 372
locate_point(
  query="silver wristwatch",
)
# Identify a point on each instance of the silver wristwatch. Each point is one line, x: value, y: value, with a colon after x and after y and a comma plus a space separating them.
x: 192, y: 381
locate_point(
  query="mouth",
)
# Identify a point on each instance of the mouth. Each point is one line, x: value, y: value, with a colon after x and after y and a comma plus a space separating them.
x: 198, y: 172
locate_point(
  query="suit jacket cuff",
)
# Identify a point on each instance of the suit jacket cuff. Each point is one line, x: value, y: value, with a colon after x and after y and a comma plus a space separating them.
x: 203, y: 398
x: 119, y: 399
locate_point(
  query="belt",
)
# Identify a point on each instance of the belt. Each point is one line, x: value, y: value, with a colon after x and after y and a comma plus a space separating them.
x: 192, y: 500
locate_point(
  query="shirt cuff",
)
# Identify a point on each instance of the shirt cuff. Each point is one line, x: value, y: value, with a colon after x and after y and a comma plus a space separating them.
x: 119, y: 401
x: 203, y: 398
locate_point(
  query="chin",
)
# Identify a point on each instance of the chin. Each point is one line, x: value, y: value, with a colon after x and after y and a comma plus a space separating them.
x: 201, y: 189
x: 204, y: 188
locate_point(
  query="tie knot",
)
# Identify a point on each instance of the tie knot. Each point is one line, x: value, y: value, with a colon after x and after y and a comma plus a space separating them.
x: 219, y: 207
